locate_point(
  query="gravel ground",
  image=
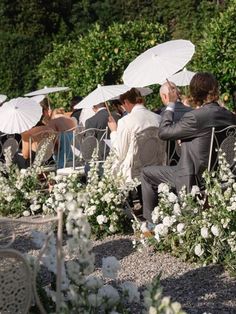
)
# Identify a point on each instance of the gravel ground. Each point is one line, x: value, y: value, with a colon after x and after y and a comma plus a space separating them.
x: 199, y: 289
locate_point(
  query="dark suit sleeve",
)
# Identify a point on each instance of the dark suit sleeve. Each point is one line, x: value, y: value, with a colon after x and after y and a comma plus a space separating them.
x: 185, y: 128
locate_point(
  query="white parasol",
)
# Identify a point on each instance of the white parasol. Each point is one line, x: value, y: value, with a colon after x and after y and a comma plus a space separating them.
x: 19, y: 115
x: 47, y: 90
x: 2, y: 98
x: 158, y: 63
x: 182, y: 78
x: 105, y: 93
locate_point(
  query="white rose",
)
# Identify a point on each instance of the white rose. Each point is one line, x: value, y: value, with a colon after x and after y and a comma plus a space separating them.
x: 26, y: 213
x: 176, y: 209
x: 112, y: 228
x: 195, y: 190
x: 215, y: 230
x: 180, y: 227
x: 163, y: 188
x: 152, y: 310
x: 198, y: 250
x: 172, y: 197
x: 204, y: 232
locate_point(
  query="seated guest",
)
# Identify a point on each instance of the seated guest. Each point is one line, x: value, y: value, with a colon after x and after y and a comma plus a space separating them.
x: 36, y: 134
x: 65, y: 126
x: 118, y: 107
x: 138, y: 119
x: 194, y: 131
x: 180, y: 108
x: 99, y: 120
x: 75, y: 112
x: 58, y: 112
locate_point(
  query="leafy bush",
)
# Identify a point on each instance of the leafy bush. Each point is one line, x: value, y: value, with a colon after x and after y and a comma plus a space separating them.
x: 216, y: 51
x: 99, y: 57
x: 20, y: 55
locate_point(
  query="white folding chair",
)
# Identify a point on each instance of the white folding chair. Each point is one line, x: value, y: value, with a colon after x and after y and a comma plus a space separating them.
x: 222, y: 140
x: 148, y: 150
x: 18, y: 289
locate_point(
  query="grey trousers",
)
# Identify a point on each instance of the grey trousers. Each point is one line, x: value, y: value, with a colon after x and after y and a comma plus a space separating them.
x: 152, y: 176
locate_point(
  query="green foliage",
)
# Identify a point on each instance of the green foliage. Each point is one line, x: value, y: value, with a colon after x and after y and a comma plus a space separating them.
x: 99, y: 57
x: 19, y: 57
x: 27, y: 28
x: 216, y: 51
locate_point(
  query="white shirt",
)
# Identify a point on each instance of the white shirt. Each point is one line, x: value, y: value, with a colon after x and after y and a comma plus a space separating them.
x: 139, y: 119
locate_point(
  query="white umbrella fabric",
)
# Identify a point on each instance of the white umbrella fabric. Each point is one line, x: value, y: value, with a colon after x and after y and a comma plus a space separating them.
x: 182, y: 78
x: 47, y: 90
x: 105, y: 93
x: 19, y: 115
x: 38, y: 98
x: 158, y: 63
x: 2, y: 98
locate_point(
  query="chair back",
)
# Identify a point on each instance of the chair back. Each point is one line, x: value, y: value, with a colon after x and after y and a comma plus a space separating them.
x: 148, y: 149
x: 45, y: 143
x: 86, y: 141
x: 12, y: 143
x: 222, y: 141
x: 18, y: 280
x: 173, y: 152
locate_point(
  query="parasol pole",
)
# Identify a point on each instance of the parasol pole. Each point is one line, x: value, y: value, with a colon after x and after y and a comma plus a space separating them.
x: 108, y: 110
x: 172, y: 88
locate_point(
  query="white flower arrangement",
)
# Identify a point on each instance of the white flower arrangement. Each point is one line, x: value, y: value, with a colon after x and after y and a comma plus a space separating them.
x: 81, y: 292
x: 107, y: 196
x: 200, y: 229
x: 21, y: 191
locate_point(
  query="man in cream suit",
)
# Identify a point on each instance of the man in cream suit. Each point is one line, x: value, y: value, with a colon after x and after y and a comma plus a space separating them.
x: 122, y: 134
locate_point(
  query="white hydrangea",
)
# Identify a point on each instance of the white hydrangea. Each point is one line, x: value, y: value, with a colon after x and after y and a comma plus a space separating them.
x: 101, y: 219
x: 168, y: 221
x: 161, y: 229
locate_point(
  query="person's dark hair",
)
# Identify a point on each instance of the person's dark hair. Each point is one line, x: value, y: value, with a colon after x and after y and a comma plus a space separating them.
x: 74, y: 101
x: 101, y: 105
x: 133, y: 96
x: 45, y: 103
x: 204, y: 88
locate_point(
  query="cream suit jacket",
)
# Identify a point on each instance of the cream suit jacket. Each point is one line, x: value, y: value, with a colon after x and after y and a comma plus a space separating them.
x: 122, y: 140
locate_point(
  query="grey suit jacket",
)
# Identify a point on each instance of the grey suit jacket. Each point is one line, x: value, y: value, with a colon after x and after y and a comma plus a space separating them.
x: 194, y: 131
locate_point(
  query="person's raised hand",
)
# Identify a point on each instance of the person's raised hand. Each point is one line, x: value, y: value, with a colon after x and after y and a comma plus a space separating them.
x: 173, y: 94
x: 112, y: 124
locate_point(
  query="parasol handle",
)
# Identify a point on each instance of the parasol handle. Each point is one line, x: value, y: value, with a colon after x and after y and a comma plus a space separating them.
x: 108, y: 110
x: 172, y: 88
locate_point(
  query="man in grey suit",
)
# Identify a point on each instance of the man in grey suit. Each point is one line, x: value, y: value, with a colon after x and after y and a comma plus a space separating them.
x: 194, y: 131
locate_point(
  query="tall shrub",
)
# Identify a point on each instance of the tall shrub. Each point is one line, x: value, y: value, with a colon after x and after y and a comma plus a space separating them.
x: 99, y: 57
